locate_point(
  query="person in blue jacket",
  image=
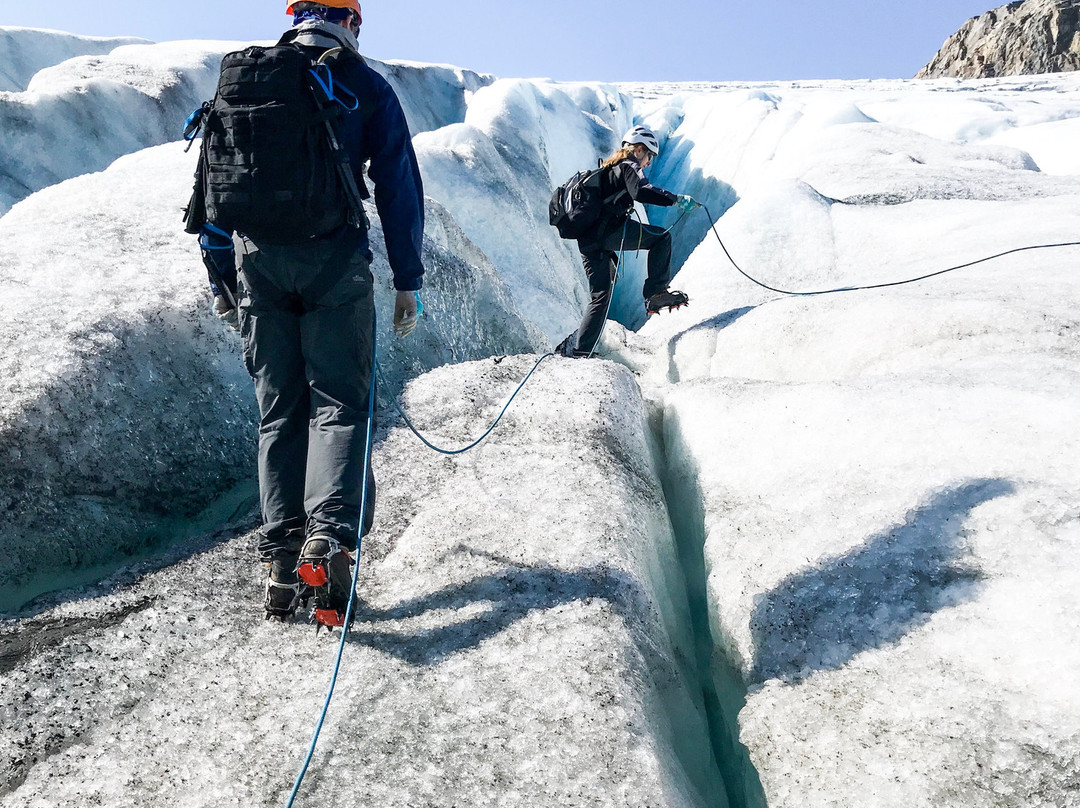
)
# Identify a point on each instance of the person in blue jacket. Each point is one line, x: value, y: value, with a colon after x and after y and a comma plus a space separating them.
x: 623, y: 183
x: 310, y: 355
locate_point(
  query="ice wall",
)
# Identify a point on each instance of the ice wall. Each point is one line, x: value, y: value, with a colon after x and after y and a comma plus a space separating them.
x: 122, y: 400
x: 433, y: 96
x: 28, y: 50
x: 495, y: 173
x: 78, y: 116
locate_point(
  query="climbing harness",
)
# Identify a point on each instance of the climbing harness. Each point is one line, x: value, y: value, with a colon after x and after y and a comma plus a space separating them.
x: 619, y: 267
x: 712, y: 225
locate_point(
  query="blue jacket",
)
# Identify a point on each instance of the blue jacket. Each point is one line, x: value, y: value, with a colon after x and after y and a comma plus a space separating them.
x: 380, y: 137
x: 386, y: 144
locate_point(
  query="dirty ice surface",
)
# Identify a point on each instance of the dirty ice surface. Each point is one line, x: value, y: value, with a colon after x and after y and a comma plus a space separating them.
x: 521, y: 639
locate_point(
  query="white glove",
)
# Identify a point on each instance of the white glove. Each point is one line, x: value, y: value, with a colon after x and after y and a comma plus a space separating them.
x: 226, y: 313
x: 407, y: 309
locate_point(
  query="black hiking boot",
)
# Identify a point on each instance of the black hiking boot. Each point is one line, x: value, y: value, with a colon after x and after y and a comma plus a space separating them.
x: 666, y: 300
x: 326, y: 567
x: 568, y: 347
x: 284, y: 590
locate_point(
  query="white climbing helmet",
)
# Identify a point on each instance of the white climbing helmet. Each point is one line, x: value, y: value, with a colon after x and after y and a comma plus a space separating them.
x: 639, y: 134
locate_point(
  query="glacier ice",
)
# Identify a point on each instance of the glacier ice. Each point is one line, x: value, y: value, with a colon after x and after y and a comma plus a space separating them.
x: 879, y: 487
x: 30, y: 50
x: 523, y: 650
x: 76, y: 115
x: 884, y: 480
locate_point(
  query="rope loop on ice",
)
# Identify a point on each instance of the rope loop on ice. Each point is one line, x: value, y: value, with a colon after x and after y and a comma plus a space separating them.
x: 356, y: 567
x: 712, y: 225
x: 479, y: 440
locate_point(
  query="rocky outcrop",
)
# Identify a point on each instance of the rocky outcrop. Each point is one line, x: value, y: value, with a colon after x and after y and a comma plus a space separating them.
x: 1032, y: 36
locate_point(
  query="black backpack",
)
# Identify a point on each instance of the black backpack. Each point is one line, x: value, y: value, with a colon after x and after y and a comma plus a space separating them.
x: 578, y: 204
x: 271, y: 166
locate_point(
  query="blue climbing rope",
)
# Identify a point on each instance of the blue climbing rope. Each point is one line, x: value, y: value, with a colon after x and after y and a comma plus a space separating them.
x: 479, y: 440
x: 352, y: 592
x: 364, y: 494
x: 712, y: 224
x: 356, y: 567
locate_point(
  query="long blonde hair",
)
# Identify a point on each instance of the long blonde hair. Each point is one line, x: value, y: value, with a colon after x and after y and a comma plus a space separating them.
x: 618, y: 157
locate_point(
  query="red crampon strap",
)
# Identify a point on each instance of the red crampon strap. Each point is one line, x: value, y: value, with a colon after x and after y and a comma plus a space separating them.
x: 313, y: 575
x: 330, y: 617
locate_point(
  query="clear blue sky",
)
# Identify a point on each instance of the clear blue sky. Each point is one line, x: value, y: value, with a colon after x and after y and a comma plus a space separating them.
x: 626, y: 40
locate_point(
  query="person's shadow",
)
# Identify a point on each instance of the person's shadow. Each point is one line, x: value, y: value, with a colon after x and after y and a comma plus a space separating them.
x: 872, y: 596
x: 509, y: 595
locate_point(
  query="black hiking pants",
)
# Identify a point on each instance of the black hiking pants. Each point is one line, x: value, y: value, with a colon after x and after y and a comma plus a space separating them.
x: 599, y: 256
x: 311, y: 360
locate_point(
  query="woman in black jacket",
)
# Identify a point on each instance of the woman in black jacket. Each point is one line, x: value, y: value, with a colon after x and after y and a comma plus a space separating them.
x: 622, y: 184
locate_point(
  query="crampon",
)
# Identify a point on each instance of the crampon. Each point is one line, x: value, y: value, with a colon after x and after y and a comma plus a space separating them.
x: 666, y: 300
x: 285, y: 592
x: 326, y: 567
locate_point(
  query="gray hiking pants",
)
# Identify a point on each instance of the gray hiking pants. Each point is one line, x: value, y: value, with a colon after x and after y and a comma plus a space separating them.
x: 312, y: 365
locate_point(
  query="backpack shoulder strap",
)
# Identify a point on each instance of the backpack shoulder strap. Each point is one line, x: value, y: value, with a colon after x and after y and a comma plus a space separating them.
x: 367, y: 99
x: 612, y: 172
x: 290, y: 37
